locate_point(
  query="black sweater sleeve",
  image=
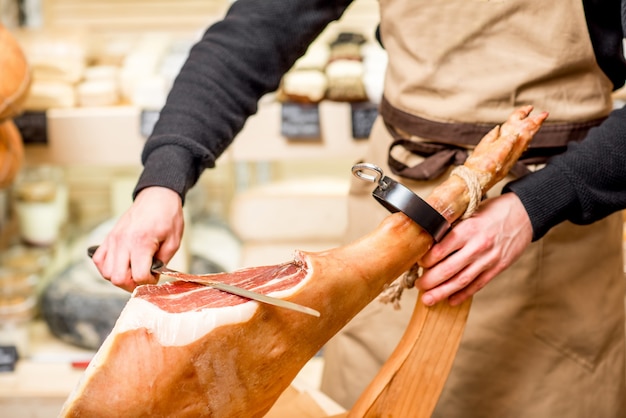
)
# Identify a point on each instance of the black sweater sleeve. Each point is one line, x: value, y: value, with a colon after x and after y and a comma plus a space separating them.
x: 582, y: 185
x: 588, y: 182
x: 237, y: 61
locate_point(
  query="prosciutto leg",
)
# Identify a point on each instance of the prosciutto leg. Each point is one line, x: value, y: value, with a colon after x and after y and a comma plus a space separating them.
x: 186, y: 350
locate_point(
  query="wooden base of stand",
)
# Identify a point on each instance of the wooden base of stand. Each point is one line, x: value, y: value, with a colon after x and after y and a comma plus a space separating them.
x: 419, y: 365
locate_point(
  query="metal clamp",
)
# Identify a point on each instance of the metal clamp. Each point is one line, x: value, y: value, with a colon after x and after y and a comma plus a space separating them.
x: 395, y: 197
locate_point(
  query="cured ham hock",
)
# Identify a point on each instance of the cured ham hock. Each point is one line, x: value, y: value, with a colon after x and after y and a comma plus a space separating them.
x: 186, y: 350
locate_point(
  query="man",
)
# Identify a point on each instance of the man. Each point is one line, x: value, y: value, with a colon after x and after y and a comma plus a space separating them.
x: 546, y: 339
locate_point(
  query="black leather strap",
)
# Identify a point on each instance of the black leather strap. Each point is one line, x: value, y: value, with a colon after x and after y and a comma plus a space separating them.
x: 397, y: 198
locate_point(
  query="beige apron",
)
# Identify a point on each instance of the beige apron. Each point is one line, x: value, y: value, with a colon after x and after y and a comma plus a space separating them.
x: 546, y: 337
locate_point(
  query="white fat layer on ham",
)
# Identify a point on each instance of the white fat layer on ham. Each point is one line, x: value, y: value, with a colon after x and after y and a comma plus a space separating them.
x: 170, y: 329
x: 285, y: 293
x: 176, y: 329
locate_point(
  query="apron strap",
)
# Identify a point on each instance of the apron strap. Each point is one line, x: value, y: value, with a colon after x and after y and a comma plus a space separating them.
x: 449, y: 142
x: 437, y: 158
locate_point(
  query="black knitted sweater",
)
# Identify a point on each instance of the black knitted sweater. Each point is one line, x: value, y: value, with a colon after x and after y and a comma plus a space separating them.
x: 244, y: 56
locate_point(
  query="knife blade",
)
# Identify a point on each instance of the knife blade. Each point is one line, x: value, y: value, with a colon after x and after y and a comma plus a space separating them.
x: 159, y: 267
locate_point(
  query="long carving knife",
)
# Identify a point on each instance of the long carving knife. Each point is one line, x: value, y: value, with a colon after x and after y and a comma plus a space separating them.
x: 160, y: 268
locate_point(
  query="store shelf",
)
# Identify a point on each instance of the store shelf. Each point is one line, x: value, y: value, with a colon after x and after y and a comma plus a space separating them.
x: 104, y: 135
x: 113, y: 136
x: 261, y: 138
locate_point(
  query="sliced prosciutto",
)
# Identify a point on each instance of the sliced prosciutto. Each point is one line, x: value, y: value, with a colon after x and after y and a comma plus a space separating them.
x: 184, y: 295
x: 187, y: 350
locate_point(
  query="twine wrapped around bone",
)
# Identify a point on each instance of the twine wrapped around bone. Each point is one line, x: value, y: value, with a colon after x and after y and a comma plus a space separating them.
x: 393, y: 292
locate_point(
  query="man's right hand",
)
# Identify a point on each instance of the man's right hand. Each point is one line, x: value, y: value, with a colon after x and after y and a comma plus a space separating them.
x: 151, y: 228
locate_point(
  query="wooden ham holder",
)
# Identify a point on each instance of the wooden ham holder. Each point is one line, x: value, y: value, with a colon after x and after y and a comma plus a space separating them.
x: 410, y: 382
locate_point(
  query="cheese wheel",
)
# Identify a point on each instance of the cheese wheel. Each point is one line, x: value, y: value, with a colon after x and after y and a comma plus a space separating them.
x: 97, y: 93
x: 15, y: 79
x: 44, y: 94
x: 304, y: 86
x: 11, y: 152
x: 345, y: 81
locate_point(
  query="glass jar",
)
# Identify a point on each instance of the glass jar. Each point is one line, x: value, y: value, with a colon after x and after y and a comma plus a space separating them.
x: 41, y: 204
x: 21, y: 271
x: 18, y: 301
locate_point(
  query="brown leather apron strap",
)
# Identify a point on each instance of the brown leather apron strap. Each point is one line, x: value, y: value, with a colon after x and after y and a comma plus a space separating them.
x: 437, y: 158
x: 449, y: 142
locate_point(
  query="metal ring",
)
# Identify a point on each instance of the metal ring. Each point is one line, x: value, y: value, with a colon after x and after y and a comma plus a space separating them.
x: 359, y: 171
x: 396, y: 197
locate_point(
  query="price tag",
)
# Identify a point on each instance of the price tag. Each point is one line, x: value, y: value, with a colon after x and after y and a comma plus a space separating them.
x: 8, y: 358
x: 363, y: 116
x: 33, y: 127
x: 148, y: 119
x: 300, y: 121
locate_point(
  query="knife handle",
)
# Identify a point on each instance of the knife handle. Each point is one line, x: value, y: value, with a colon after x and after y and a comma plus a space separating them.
x: 92, y: 250
x: 156, y: 263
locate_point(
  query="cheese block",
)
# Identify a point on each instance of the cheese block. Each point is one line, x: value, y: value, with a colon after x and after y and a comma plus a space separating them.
x: 102, y: 72
x: 292, y: 210
x: 345, y: 81
x: 45, y: 94
x: 97, y: 93
x: 304, y: 86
